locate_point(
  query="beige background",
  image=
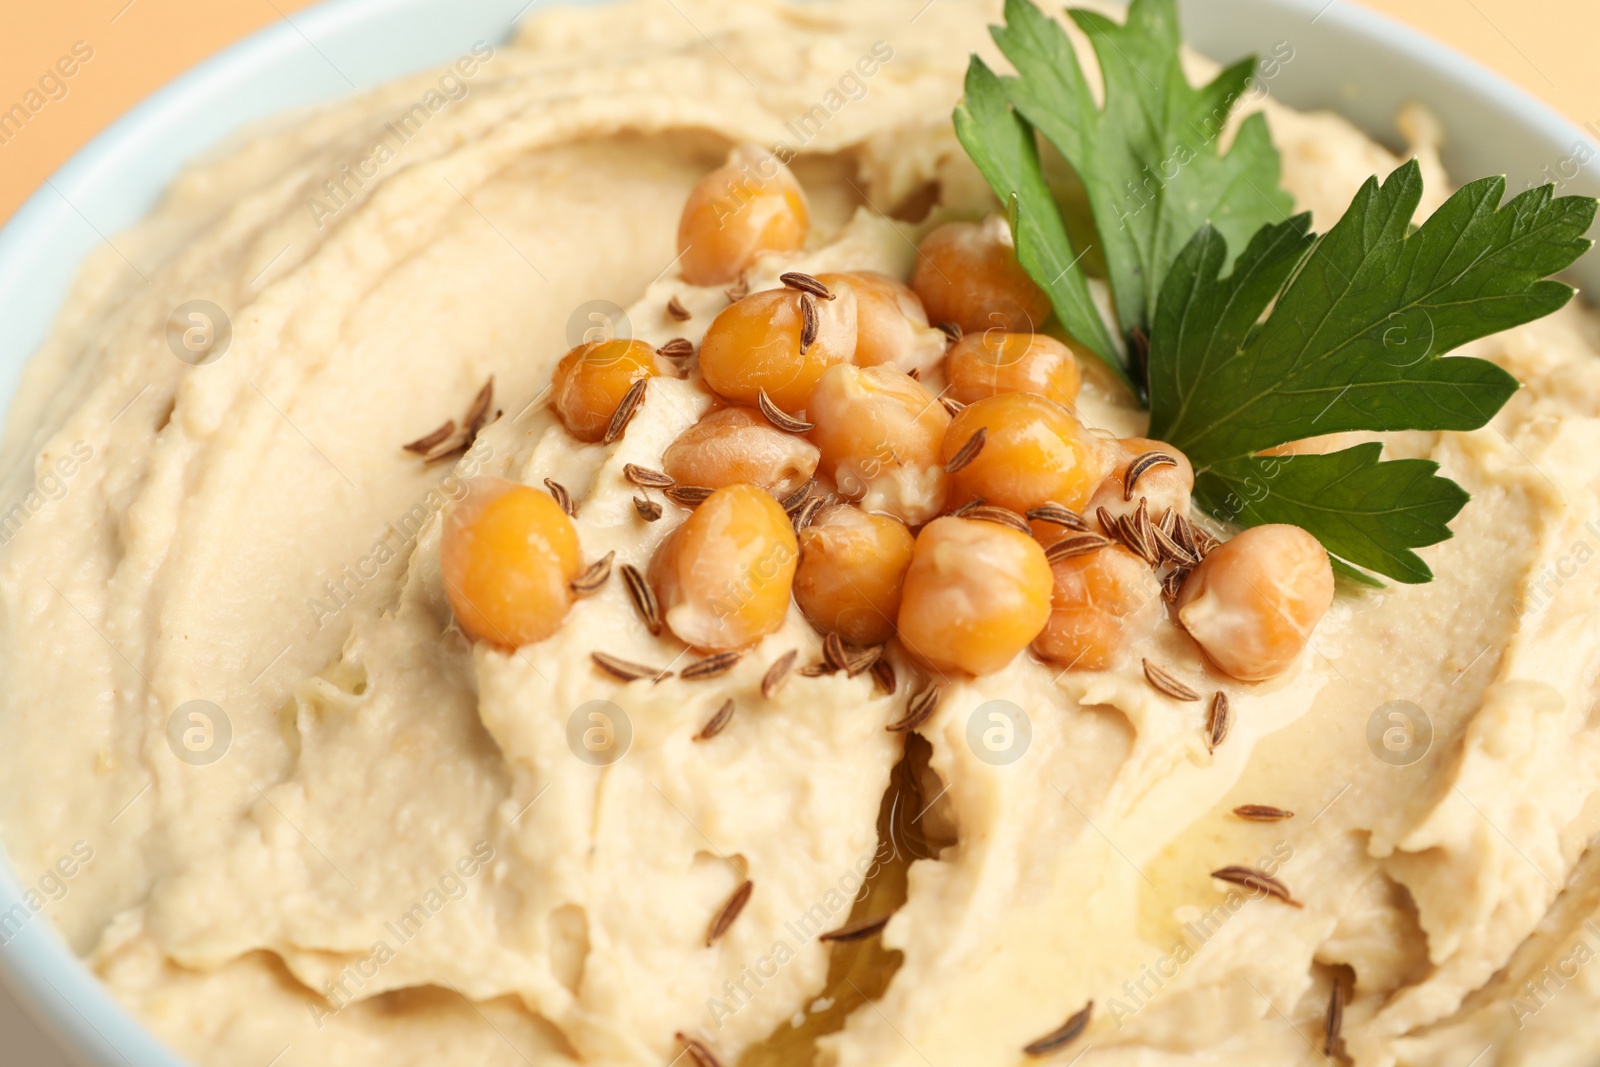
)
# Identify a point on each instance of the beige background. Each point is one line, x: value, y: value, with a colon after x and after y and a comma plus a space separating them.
x: 1546, y: 46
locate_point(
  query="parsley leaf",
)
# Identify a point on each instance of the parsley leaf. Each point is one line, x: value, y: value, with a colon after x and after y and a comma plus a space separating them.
x: 1360, y: 320
x: 1002, y: 145
x: 1365, y: 512
x: 1149, y: 160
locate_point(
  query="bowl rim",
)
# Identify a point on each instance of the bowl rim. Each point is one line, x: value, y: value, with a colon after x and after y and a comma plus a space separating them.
x: 45, y: 977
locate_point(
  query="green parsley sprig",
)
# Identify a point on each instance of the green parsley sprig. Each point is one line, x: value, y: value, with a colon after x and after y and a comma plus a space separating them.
x: 1359, y: 317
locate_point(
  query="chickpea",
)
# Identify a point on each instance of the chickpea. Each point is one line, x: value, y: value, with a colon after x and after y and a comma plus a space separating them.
x: 1101, y: 603
x: 1035, y: 452
x: 749, y: 205
x: 507, y: 553
x: 754, y: 344
x: 734, y: 445
x: 880, y: 433
x: 852, y: 566
x: 967, y: 273
x: 723, y: 577
x: 987, y: 364
x: 975, y: 595
x: 1255, y: 599
x: 891, y: 327
x: 1164, y: 487
x: 591, y: 380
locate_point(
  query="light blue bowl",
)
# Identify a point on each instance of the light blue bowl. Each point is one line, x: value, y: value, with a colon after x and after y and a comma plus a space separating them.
x: 1345, y: 58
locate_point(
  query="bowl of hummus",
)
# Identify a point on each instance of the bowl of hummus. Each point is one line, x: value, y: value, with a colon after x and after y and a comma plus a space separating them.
x: 807, y: 534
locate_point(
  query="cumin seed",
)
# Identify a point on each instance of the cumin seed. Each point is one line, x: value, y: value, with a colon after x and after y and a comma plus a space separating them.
x: 1333, y: 1029
x: 952, y: 405
x: 676, y: 310
x: 687, y: 496
x: 808, y: 322
x: 968, y: 508
x: 968, y: 452
x: 1168, y: 549
x: 951, y: 330
x: 1075, y: 546
x: 1064, y: 1035
x: 479, y: 411
x: 1218, y: 720
x: 717, y: 722
x: 718, y: 663
x: 1262, y: 813
x: 807, y: 512
x: 625, y: 411
x: 589, y: 582
x: 452, y: 448
x: 1163, y: 682
x: 778, y: 673
x: 1140, y: 467
x: 1056, y: 515
x: 792, y: 502
x: 429, y: 441
x: 563, y: 497
x: 1002, y: 516
x: 729, y: 911
x: 857, y: 931
x: 1172, y: 584
x: 861, y: 659
x: 677, y: 349
x: 778, y: 417
x: 918, y: 711
x: 643, y: 597
x: 645, y: 478
x: 648, y: 510
x: 883, y: 676
x: 806, y: 284
x: 739, y: 289
x: 626, y: 670
x: 833, y: 653
x: 1261, y: 881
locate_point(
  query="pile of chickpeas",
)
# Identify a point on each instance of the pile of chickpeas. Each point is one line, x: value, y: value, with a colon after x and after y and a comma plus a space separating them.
x: 897, y: 459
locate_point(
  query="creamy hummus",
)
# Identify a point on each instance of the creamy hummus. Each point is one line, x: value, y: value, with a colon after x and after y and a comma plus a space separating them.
x: 370, y: 842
